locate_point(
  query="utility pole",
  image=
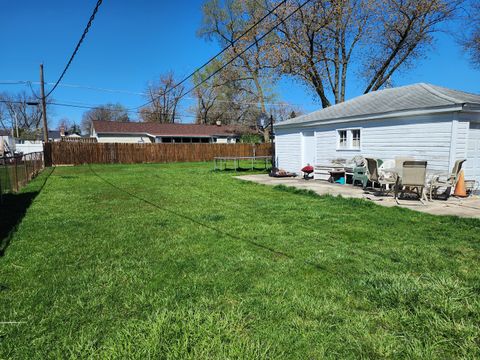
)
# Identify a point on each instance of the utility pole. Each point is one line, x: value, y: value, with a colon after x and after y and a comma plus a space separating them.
x: 44, y: 106
x: 272, y: 143
x: 16, y: 122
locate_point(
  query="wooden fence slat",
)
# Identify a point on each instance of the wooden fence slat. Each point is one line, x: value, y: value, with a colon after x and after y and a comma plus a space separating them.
x: 77, y: 153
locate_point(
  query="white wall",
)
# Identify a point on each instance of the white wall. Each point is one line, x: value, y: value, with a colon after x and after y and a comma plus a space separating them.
x: 122, y: 139
x: 288, y: 148
x: 423, y: 137
x: 472, y: 165
x: 225, y: 140
x: 29, y: 147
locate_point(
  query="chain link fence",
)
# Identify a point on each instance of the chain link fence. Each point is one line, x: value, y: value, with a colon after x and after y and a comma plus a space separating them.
x: 17, y: 170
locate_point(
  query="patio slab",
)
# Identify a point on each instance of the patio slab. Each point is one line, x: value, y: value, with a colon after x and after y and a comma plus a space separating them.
x: 468, y: 207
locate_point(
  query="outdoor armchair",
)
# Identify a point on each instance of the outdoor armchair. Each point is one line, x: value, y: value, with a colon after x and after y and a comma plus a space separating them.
x: 386, y: 180
x: 412, y: 181
x: 447, y: 181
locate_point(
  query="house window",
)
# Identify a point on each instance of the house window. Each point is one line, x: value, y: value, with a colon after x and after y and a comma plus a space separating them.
x: 342, y: 139
x: 349, y: 139
x: 356, y: 139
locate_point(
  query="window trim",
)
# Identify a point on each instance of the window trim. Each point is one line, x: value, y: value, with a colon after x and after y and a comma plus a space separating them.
x: 339, y: 139
x: 349, y: 146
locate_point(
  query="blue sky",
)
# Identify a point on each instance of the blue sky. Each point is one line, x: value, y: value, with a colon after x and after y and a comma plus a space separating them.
x: 133, y: 42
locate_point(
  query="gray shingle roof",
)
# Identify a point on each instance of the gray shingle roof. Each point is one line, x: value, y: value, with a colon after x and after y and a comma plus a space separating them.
x: 410, y: 97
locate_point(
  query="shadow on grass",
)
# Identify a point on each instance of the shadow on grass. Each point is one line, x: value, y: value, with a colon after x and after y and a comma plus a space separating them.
x: 12, y: 210
x: 253, y: 242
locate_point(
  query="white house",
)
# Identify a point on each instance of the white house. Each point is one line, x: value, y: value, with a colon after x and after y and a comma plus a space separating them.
x: 7, y: 142
x: 424, y: 121
x: 140, y: 132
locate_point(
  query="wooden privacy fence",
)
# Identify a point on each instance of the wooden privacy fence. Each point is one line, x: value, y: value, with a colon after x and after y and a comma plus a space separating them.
x: 71, y: 153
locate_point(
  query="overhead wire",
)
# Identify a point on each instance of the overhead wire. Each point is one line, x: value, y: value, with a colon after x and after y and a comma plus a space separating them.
x: 137, y: 93
x: 246, y: 49
x: 85, y: 31
x: 130, y: 110
x: 232, y: 42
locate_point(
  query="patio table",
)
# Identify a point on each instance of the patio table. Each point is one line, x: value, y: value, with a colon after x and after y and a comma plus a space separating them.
x: 330, y: 170
x: 430, y: 172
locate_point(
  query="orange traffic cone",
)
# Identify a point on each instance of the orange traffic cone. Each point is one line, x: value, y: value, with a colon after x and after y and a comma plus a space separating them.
x: 460, y: 190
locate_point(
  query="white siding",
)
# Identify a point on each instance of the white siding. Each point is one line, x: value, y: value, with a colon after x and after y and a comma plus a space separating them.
x: 29, y: 148
x: 226, y: 140
x: 123, y: 139
x: 422, y: 137
x: 288, y: 150
x: 461, y: 141
x: 472, y: 165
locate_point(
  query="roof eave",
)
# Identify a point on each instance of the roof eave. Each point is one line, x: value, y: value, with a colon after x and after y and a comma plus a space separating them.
x: 379, y: 116
x: 161, y: 135
x: 471, y: 107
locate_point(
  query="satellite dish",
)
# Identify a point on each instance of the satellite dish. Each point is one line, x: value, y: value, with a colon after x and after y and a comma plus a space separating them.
x: 262, y: 120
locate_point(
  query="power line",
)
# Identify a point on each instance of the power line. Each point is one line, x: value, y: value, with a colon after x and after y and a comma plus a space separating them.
x: 12, y: 82
x: 246, y: 49
x: 137, y: 93
x: 85, y: 31
x: 12, y: 102
x: 233, y: 42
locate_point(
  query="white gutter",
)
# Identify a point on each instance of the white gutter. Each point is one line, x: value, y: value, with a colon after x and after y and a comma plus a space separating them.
x: 380, y: 116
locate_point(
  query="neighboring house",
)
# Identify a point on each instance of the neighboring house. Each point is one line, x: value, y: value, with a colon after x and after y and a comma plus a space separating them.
x: 7, y: 142
x: 35, y: 143
x: 424, y: 121
x: 139, y: 132
x: 58, y: 135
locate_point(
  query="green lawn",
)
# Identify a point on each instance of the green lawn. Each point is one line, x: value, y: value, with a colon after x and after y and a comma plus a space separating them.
x: 175, y: 261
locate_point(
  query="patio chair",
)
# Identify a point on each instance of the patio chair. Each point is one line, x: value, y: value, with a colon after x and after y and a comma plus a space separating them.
x: 446, y: 181
x: 359, y: 171
x: 360, y: 174
x: 412, y: 181
x: 386, y: 181
x: 399, y: 160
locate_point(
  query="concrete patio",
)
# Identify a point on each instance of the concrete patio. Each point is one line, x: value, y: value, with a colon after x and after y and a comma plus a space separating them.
x: 465, y: 207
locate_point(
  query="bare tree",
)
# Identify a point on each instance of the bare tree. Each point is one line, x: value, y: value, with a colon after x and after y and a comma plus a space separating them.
x: 404, y: 33
x: 107, y: 112
x: 321, y: 42
x: 64, y: 124
x: 226, y: 21
x: 164, y: 97
x: 470, y: 37
x: 283, y: 111
x: 220, y: 98
x: 19, y: 113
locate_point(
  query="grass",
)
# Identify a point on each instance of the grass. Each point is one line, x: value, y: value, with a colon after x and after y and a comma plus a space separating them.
x: 175, y: 261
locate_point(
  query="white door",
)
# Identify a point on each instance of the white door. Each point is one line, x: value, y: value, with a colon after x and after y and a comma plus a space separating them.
x: 308, y: 148
x: 472, y: 165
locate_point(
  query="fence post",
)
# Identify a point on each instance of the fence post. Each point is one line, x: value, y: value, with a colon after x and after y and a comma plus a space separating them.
x: 1, y: 190
x: 15, y: 175
x: 25, y: 167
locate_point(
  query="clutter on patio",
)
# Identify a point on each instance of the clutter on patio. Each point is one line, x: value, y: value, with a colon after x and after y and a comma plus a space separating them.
x: 280, y: 173
x: 464, y: 207
x: 308, y: 172
x: 404, y: 178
